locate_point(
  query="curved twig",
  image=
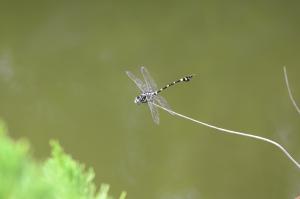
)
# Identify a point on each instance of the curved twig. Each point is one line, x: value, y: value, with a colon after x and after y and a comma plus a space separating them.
x: 234, y: 132
x: 289, y: 90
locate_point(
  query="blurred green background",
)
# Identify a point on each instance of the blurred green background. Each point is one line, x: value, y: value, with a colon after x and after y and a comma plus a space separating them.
x: 62, y: 76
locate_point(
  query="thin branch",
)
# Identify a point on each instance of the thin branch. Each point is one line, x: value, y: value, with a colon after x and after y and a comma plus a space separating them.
x: 289, y: 90
x: 234, y: 132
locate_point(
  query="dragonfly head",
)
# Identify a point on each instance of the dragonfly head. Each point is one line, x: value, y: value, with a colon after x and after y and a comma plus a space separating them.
x: 140, y: 99
x: 137, y: 100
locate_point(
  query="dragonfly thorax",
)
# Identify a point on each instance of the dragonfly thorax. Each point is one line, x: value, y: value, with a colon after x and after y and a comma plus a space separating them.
x: 144, y: 97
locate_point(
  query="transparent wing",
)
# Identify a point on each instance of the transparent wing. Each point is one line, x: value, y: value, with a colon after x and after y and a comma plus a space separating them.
x: 154, y: 113
x: 140, y: 84
x: 163, y: 102
x: 148, y: 79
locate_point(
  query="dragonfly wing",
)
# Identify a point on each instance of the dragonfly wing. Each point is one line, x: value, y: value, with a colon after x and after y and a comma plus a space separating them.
x: 163, y: 102
x: 154, y: 113
x: 140, y: 84
x: 148, y: 79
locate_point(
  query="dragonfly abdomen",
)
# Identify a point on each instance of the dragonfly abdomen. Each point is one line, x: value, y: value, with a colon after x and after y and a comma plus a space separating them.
x: 184, y: 79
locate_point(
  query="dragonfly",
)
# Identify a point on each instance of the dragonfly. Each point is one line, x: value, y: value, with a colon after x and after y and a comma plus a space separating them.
x: 150, y: 92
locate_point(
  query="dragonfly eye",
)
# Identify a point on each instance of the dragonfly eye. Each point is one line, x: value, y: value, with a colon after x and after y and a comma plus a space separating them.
x: 137, y: 100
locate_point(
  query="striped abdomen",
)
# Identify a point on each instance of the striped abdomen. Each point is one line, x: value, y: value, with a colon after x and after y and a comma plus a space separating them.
x: 184, y: 79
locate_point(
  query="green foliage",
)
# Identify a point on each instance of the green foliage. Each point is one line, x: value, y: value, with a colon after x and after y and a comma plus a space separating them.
x: 59, y: 177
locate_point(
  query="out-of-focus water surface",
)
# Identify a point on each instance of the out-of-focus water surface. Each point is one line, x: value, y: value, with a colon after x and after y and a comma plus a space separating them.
x: 62, y: 76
